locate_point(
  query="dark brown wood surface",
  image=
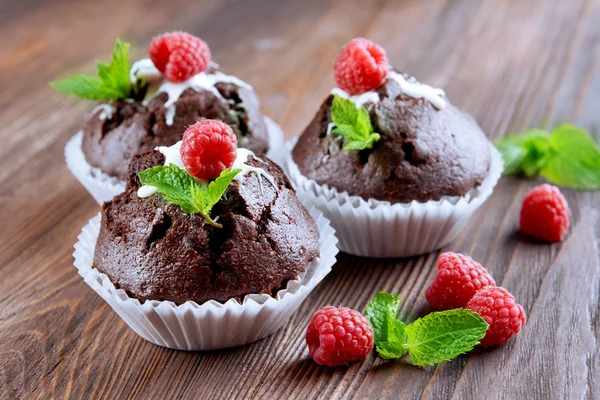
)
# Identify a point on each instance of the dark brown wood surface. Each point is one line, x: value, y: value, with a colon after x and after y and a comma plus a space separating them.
x: 512, y: 64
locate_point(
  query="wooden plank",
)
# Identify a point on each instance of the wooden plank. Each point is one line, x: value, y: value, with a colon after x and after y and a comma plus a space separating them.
x: 513, y: 65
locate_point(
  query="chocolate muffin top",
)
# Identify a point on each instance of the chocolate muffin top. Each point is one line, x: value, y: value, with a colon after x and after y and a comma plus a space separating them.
x: 424, y: 152
x: 113, y: 134
x: 154, y: 251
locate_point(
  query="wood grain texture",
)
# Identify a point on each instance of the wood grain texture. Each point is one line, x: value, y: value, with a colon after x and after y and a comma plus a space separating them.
x: 512, y: 64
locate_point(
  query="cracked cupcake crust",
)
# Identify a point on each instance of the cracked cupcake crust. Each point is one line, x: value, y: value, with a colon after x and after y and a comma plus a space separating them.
x: 110, y: 143
x: 154, y: 251
x: 423, y: 154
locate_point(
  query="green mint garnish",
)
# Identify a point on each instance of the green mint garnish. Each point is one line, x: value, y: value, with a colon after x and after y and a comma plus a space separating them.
x: 178, y: 187
x: 437, y: 337
x: 390, y: 333
x: 353, y: 123
x: 444, y: 335
x: 566, y: 156
x: 113, y: 80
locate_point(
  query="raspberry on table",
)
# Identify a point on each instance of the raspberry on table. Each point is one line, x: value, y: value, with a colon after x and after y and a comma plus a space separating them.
x: 208, y: 148
x: 338, y: 335
x: 545, y: 213
x: 499, y: 309
x: 361, y: 66
x: 179, y: 55
x: 459, y: 277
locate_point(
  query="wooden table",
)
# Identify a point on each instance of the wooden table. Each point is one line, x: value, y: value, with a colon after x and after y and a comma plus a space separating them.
x: 513, y: 64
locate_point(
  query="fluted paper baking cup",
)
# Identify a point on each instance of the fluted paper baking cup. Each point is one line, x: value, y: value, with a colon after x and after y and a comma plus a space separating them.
x: 277, y: 149
x: 380, y: 229
x: 211, y: 325
x: 103, y: 187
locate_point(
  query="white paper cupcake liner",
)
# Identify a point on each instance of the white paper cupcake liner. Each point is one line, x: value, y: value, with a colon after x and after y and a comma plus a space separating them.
x: 383, y: 230
x: 277, y: 150
x: 103, y: 187
x: 211, y: 325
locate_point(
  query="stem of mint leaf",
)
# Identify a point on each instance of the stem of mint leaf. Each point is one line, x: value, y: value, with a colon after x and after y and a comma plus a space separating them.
x: 178, y: 187
x: 353, y: 123
x: 566, y: 156
x: 113, y: 81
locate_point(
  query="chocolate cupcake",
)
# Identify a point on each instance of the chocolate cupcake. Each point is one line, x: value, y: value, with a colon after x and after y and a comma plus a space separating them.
x: 395, y: 166
x: 151, y: 103
x: 205, y: 242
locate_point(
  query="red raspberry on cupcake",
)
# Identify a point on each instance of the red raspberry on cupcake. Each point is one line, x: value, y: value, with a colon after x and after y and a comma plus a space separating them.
x: 179, y: 55
x: 361, y: 66
x: 208, y: 148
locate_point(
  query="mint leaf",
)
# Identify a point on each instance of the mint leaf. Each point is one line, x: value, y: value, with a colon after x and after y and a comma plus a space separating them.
x: 574, y: 159
x: 522, y: 151
x: 343, y: 111
x: 389, y: 332
x: 441, y: 336
x: 567, y: 156
x: 84, y: 87
x: 353, y: 123
x: 216, y: 188
x: 175, y: 185
x: 116, y: 74
x: 113, y: 80
x: 206, y: 198
x: 178, y: 187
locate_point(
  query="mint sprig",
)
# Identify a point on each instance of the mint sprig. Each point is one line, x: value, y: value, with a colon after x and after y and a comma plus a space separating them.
x: 178, y: 187
x: 353, y: 123
x: 390, y: 336
x: 437, y: 337
x: 566, y: 156
x: 112, y: 83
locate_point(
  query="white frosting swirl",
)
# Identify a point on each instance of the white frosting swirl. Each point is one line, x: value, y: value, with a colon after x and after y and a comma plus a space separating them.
x: 409, y: 87
x: 146, y: 70
x: 359, y: 99
x: 107, y: 111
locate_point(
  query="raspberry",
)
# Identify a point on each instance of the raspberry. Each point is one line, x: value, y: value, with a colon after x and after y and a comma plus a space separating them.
x: 179, y: 55
x: 336, y: 336
x: 209, y: 147
x: 545, y: 213
x: 459, y: 277
x: 499, y: 309
x: 360, y: 67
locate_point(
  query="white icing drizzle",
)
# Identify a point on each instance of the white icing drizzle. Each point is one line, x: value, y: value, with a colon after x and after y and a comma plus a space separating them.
x: 330, y: 127
x: 240, y: 162
x: 419, y: 90
x: 359, y: 99
x: 145, y: 70
x: 173, y: 156
x: 146, y: 191
x: 107, y: 111
x: 170, y: 114
x: 410, y: 87
x: 201, y: 81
